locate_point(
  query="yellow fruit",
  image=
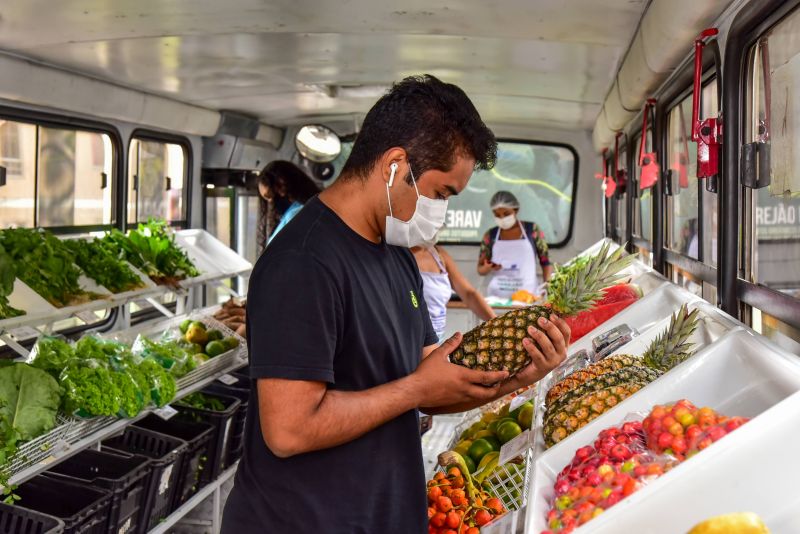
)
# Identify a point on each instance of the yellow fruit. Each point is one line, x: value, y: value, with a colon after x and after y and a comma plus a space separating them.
x: 488, y: 417
x: 739, y: 523
x: 487, y: 458
x: 462, y: 447
x: 484, y: 434
x: 195, y: 334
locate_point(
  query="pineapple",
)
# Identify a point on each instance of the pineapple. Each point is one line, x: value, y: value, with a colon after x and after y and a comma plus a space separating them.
x: 581, y: 411
x: 665, y: 352
x: 496, y: 345
x: 590, y: 392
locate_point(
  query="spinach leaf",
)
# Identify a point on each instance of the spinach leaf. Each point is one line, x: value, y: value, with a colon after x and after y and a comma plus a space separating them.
x: 29, y: 400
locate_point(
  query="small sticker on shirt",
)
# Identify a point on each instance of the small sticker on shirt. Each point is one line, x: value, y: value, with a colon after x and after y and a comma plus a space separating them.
x: 414, y: 301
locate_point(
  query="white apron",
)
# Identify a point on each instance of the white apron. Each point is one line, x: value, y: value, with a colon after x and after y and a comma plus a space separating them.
x: 519, y: 266
x: 437, y: 290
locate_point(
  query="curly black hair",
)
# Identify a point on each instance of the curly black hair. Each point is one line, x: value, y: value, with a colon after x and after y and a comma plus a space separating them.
x: 432, y: 120
x: 299, y: 186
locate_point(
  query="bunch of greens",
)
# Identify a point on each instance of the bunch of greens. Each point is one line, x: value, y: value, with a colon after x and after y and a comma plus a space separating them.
x: 89, y: 388
x: 162, y: 383
x: 51, y: 354
x: 169, y: 353
x: 7, y: 276
x: 29, y: 401
x: 202, y: 402
x: 50, y: 268
x: 103, y: 265
x: 151, y: 248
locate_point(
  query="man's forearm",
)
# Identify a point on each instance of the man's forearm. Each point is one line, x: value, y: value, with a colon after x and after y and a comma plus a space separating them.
x: 343, y: 416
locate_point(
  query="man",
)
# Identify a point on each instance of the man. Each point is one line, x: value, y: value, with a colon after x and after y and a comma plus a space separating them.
x: 342, y: 351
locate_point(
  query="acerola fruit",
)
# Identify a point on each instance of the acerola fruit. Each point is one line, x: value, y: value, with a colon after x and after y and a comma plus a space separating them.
x: 495, y: 505
x: 664, y: 440
x: 482, y: 517
x: 716, y: 433
x: 604, y: 469
x: 679, y: 445
x: 438, y: 520
x: 444, y: 504
x: 629, y: 487
x: 434, y: 493
x: 676, y: 429
x: 594, y: 479
x: 452, y: 520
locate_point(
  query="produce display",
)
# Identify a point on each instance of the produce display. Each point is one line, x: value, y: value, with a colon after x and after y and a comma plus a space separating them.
x: 7, y: 277
x: 151, y: 248
x: 497, y: 344
x: 623, y: 459
x: 589, y: 392
x: 45, y: 264
x: 203, y: 402
x: 103, y: 265
x: 232, y: 314
x: 455, y: 505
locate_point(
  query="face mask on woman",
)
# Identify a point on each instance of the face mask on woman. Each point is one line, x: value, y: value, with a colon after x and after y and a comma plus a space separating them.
x: 506, y: 222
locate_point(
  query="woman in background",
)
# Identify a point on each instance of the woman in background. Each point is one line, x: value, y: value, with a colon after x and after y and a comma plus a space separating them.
x: 284, y: 188
x: 511, y: 250
x: 440, y: 276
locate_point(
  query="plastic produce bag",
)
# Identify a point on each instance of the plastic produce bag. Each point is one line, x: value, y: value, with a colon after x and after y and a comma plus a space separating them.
x: 51, y: 354
x: 167, y: 352
x: 90, y: 389
x: 161, y: 382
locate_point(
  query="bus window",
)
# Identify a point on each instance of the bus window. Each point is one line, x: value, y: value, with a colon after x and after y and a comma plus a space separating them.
x: 775, y: 258
x: 541, y: 176
x: 157, y: 173
x: 72, y: 184
x: 18, y: 156
x: 643, y: 204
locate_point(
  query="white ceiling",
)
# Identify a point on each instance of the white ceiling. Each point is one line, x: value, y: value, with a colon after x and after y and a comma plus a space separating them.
x: 523, y: 62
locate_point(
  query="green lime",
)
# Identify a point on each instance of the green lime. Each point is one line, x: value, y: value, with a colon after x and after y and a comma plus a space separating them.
x: 199, y: 358
x: 215, y: 348
x: 470, y: 464
x: 515, y: 412
x: 185, y: 325
x: 494, y: 442
x: 478, y: 449
x: 230, y: 342
x: 508, y: 431
x: 214, y: 335
x: 525, y: 417
x: 199, y: 324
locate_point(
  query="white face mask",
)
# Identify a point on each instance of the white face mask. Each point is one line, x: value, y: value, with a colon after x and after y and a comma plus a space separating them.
x: 506, y: 222
x: 423, y: 226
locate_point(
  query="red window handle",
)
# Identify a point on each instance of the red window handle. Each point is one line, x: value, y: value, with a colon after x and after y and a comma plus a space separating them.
x: 648, y: 161
x: 706, y: 133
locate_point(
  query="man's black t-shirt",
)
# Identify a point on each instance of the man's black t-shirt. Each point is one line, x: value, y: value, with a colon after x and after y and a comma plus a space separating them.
x: 327, y: 305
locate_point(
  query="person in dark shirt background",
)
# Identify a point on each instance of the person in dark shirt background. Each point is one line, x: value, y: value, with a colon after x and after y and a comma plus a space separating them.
x: 342, y: 350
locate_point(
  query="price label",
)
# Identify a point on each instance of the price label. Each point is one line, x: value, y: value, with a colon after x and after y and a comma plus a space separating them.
x: 23, y: 332
x: 166, y: 412
x: 514, y: 448
x: 521, y: 399
x: 505, y: 524
x: 87, y: 317
x: 228, y: 380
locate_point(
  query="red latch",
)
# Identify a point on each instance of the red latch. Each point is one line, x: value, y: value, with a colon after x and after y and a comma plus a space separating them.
x: 648, y: 161
x: 706, y: 133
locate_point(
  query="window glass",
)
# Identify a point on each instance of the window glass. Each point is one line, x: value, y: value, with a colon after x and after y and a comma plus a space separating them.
x: 156, y: 181
x: 218, y: 215
x: 18, y: 156
x: 683, y: 205
x: 643, y: 203
x: 74, y: 185
x: 776, y: 252
x: 540, y: 176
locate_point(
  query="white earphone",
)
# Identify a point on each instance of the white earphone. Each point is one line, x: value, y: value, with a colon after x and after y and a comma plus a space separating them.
x: 393, y: 166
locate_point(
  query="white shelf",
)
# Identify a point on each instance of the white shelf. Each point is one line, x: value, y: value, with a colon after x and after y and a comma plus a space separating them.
x: 202, y: 494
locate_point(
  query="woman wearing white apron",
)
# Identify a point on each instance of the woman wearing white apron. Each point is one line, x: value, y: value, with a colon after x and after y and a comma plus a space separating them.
x: 440, y: 276
x: 511, y: 250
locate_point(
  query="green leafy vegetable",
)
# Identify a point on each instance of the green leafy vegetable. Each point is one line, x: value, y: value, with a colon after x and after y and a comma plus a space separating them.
x: 7, y: 277
x: 29, y: 400
x: 103, y: 264
x: 51, y: 354
x: 170, y: 354
x: 151, y: 248
x: 162, y: 383
x: 90, y: 389
x: 49, y: 266
x: 202, y: 402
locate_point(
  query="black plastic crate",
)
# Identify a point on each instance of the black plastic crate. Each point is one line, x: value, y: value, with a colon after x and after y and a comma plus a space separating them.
x: 17, y: 520
x: 166, y: 456
x: 198, y: 437
x: 125, y: 475
x: 82, y: 509
x: 242, y: 393
x: 222, y: 421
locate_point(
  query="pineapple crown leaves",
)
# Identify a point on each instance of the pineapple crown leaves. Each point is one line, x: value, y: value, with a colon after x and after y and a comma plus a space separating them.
x: 579, y: 288
x: 670, y: 347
